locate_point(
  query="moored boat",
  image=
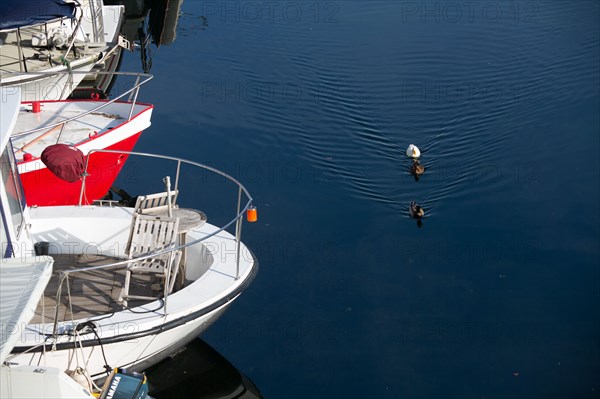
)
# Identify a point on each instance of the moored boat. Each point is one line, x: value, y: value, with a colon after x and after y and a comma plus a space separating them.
x: 43, y: 41
x: 131, y: 285
x: 23, y: 281
x: 86, y: 125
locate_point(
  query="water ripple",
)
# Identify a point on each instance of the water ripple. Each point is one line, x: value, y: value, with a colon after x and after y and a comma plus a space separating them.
x: 466, y: 93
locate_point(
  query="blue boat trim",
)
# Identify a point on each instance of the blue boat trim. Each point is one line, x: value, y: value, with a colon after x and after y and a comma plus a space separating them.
x: 18, y: 13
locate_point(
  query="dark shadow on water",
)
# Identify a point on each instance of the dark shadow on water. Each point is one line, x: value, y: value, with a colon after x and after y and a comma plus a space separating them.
x: 199, y: 371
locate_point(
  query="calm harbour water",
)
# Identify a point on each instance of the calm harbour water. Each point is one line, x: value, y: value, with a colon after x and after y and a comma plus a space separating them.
x: 312, y: 105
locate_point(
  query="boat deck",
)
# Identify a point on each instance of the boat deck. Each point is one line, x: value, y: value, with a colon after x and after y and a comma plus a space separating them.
x: 93, y: 293
x: 71, y: 133
x: 36, y: 58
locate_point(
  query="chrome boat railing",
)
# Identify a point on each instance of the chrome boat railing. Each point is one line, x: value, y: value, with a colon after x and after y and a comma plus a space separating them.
x: 94, y: 14
x: 241, y: 209
x: 42, y: 27
x: 131, y: 94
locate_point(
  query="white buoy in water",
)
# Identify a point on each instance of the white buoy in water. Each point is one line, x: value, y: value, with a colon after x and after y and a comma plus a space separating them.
x: 412, y: 151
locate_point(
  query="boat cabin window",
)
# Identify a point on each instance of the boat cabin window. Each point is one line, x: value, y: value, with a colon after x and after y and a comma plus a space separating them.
x: 12, y: 185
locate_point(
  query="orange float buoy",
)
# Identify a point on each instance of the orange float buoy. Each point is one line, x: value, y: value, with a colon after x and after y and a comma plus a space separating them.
x: 252, y: 214
x: 27, y: 157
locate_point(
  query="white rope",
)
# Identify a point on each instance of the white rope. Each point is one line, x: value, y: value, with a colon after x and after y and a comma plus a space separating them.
x: 78, y: 339
x: 70, y: 302
x: 43, y: 323
x: 86, y: 374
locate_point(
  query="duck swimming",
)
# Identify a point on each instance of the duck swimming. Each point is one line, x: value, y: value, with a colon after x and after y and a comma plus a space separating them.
x: 413, y: 151
x: 416, y: 211
x: 417, y: 169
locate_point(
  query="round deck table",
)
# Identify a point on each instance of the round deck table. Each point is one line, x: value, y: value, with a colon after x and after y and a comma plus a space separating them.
x: 189, y: 219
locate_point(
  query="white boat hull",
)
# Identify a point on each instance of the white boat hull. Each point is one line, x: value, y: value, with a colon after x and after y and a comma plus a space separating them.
x: 136, y: 353
x: 132, y: 337
x: 26, y: 382
x: 52, y: 87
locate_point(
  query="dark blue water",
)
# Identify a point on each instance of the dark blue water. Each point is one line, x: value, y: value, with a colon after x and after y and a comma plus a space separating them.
x: 312, y: 105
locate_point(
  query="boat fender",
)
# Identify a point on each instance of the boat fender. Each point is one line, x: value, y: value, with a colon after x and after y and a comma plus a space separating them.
x: 251, y: 214
x: 82, y: 377
x: 64, y: 161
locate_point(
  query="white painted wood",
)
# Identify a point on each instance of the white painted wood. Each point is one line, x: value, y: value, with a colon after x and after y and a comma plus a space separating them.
x: 157, y: 202
x: 152, y: 234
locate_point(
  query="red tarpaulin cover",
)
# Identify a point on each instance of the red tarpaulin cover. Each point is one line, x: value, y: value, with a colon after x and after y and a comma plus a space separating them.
x: 65, y: 161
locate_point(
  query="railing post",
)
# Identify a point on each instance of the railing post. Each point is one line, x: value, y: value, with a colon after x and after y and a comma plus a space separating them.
x: 22, y: 62
x: 72, y: 38
x: 177, y: 175
x: 166, y: 295
x: 135, y: 95
x: 63, y: 276
x: 84, y: 176
x: 238, y: 235
x: 61, y: 132
x: 137, y: 81
x: 167, y: 181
